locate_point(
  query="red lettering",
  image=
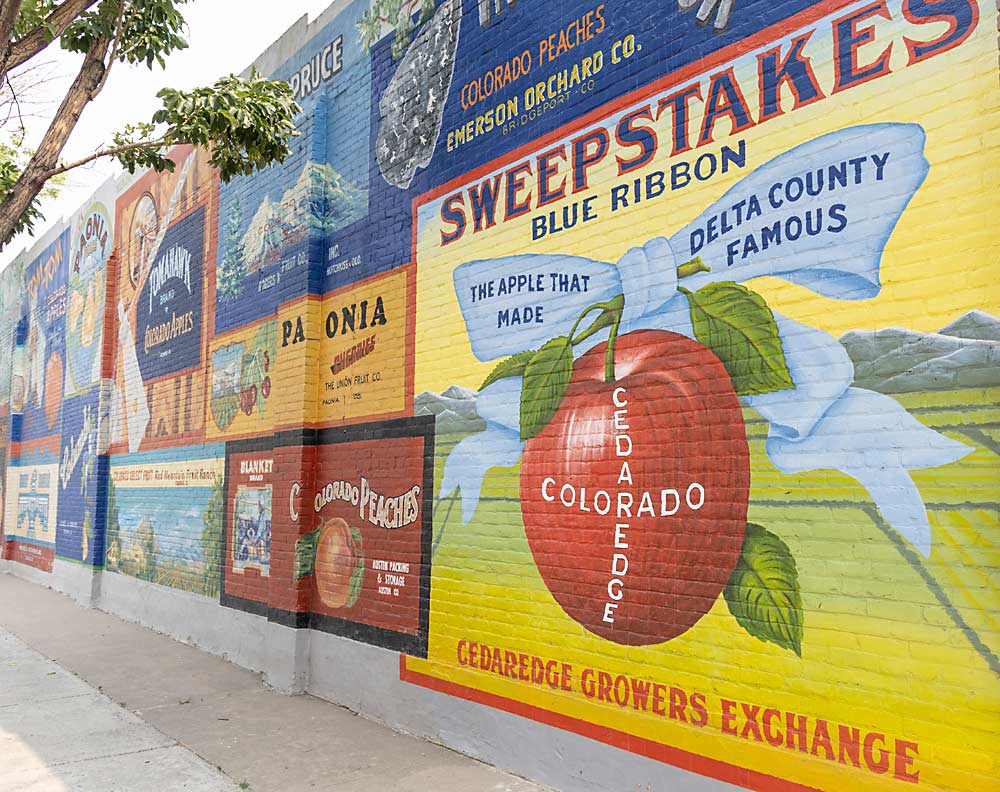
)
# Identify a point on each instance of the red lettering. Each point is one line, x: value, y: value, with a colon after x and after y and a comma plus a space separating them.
x: 904, y: 760
x: 876, y: 759
x: 821, y: 740
x: 750, y: 727
x: 700, y: 717
x: 728, y: 716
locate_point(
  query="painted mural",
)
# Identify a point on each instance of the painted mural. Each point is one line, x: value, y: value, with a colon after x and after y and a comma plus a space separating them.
x: 276, y: 222
x: 42, y: 336
x: 161, y: 310
x: 687, y: 392
x: 632, y: 368
x: 164, y: 521
x: 30, y: 510
x: 92, y: 238
x: 343, y: 516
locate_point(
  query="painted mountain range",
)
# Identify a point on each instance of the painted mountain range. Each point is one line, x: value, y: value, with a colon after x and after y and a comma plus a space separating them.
x: 963, y: 354
x: 454, y: 408
x: 320, y: 201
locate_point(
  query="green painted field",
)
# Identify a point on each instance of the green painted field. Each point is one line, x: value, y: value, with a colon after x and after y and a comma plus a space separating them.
x: 852, y: 565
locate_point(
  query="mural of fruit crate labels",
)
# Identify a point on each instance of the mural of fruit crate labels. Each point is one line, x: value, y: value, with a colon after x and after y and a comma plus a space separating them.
x: 11, y: 293
x: 42, y: 338
x: 440, y: 107
x: 261, y: 375
x: 274, y: 223
x: 4, y: 449
x: 91, y: 238
x: 82, y: 501
x: 31, y: 499
x: 366, y: 349
x: 163, y: 241
x: 682, y: 445
x: 331, y: 529
x: 165, y: 516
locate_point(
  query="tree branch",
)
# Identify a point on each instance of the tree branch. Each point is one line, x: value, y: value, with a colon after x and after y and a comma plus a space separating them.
x: 21, y: 194
x: 111, y: 151
x: 9, y: 10
x: 38, y: 39
x: 119, y: 29
x: 15, y: 104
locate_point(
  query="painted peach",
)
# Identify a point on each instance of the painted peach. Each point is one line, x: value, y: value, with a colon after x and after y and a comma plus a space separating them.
x: 53, y: 388
x: 336, y: 559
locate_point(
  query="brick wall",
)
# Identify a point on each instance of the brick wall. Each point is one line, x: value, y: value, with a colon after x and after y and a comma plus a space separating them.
x: 627, y: 368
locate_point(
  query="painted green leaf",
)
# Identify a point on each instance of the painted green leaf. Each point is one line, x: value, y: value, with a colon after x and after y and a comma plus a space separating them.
x: 736, y: 324
x: 354, y: 590
x: 546, y: 378
x: 509, y: 367
x: 305, y: 554
x: 763, y: 592
x: 357, y: 576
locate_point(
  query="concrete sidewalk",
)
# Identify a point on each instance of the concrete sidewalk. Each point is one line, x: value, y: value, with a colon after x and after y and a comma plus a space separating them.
x: 58, y: 733
x: 178, y: 700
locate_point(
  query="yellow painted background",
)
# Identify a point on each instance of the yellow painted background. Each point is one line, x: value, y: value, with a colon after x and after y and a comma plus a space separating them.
x: 388, y: 360
x: 941, y: 259
x: 880, y: 650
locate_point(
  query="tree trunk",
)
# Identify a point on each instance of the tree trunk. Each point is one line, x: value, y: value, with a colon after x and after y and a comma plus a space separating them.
x: 9, y: 9
x: 46, y: 158
x: 13, y: 54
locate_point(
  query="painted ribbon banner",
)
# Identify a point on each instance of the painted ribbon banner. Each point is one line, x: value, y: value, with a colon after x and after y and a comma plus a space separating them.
x: 632, y: 368
x: 818, y: 215
x: 665, y: 415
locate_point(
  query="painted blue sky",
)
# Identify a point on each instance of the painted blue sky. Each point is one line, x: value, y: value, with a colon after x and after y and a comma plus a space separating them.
x: 176, y: 515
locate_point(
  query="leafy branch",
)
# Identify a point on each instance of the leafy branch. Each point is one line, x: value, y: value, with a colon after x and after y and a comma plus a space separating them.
x: 245, y: 122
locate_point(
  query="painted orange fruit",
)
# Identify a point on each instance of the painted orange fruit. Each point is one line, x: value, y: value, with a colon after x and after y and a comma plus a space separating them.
x: 53, y: 389
x: 337, y: 559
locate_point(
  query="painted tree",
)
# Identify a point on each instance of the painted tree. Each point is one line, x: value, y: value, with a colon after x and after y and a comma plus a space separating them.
x: 246, y: 122
x: 211, y: 538
x: 232, y: 267
x: 112, y: 538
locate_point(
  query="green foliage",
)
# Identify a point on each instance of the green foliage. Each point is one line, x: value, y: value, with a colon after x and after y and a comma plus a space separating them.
x: 211, y: 538
x: 397, y: 15
x: 546, y: 378
x: 513, y: 366
x: 737, y: 325
x: 112, y: 533
x: 763, y: 591
x: 305, y: 553
x: 14, y: 157
x: 246, y: 122
x: 146, y: 540
x: 358, y: 575
x: 147, y: 30
x: 31, y: 15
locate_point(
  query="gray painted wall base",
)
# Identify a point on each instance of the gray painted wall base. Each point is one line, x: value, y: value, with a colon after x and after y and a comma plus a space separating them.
x: 365, y: 679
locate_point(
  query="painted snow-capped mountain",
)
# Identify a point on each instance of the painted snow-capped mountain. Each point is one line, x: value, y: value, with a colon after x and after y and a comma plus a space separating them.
x: 454, y: 408
x: 321, y: 201
x: 963, y: 354
x: 263, y: 236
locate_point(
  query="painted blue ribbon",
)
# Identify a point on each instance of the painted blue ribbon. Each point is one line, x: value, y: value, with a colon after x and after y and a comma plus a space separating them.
x: 818, y: 215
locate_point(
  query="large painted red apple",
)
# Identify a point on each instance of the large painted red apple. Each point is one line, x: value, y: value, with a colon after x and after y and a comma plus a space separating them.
x: 634, y: 496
